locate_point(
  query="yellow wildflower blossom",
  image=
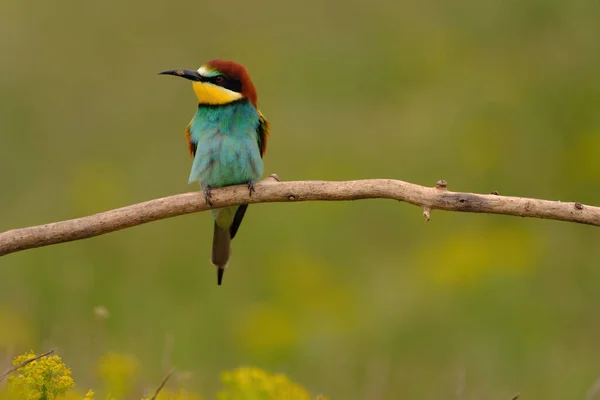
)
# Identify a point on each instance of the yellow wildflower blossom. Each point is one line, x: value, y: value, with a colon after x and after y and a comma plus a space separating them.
x: 256, y: 384
x: 181, y: 395
x: 119, y: 372
x: 44, y: 379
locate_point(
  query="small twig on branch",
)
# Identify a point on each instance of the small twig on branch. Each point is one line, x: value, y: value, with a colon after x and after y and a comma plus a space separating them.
x: 162, y: 384
x: 440, y: 185
x: 271, y: 190
x: 24, y: 363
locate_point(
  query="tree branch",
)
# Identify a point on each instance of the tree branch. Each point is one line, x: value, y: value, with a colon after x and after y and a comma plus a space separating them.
x: 271, y: 190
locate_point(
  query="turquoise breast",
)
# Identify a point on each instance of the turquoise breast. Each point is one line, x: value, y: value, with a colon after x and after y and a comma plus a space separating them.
x: 226, y: 140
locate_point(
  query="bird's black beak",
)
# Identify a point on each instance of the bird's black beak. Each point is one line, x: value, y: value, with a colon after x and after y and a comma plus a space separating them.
x: 184, y: 73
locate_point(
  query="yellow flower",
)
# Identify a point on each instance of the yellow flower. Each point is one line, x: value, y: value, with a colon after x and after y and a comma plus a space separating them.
x: 256, y: 384
x: 119, y: 372
x: 181, y: 395
x: 44, y: 379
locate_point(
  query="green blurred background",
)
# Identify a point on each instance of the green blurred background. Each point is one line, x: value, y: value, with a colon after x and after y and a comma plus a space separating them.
x: 358, y: 300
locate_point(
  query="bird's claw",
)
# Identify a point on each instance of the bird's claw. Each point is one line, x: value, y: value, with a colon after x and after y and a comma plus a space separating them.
x: 251, y: 188
x: 207, y: 195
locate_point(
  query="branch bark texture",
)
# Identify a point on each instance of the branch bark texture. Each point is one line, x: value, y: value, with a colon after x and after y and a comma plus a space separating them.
x: 272, y: 190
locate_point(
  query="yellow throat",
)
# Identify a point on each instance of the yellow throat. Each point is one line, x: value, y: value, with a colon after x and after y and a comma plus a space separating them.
x: 207, y: 93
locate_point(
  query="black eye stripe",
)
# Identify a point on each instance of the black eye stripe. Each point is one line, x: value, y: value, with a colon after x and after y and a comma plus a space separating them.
x: 231, y: 84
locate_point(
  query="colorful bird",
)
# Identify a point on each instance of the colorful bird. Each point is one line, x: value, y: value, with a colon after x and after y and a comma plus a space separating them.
x: 227, y: 139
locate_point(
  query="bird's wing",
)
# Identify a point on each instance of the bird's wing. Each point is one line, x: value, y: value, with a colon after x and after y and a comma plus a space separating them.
x: 192, y: 144
x: 263, y: 132
x: 237, y: 220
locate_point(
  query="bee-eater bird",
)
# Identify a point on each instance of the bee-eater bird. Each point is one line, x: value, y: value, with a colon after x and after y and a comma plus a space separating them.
x: 227, y: 139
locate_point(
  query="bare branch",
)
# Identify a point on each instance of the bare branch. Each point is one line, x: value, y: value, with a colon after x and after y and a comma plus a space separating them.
x: 24, y: 363
x: 271, y: 190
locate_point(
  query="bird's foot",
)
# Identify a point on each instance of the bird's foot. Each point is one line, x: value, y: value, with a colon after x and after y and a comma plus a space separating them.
x: 207, y: 195
x: 251, y: 188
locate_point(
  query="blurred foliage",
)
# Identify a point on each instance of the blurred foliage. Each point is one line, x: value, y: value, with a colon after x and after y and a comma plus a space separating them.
x: 361, y: 300
x: 48, y: 378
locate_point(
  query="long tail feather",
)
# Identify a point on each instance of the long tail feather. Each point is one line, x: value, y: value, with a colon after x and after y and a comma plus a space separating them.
x: 221, y: 250
x: 237, y: 219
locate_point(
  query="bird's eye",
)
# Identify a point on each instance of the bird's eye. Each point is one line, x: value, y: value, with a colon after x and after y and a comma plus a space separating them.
x: 219, y: 79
